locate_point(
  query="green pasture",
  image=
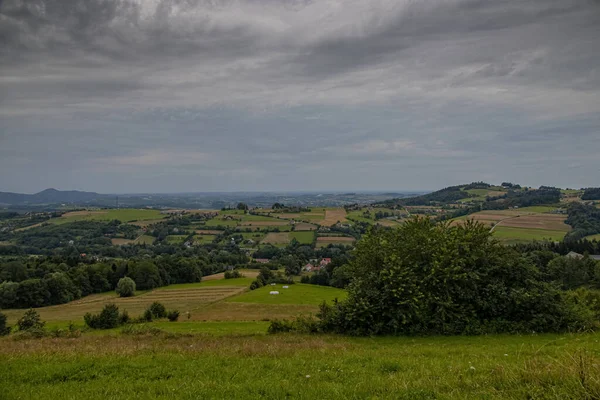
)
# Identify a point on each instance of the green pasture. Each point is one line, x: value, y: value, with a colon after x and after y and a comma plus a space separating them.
x: 515, y: 235
x: 303, y: 237
x: 245, y: 365
x: 296, y: 294
x: 123, y: 215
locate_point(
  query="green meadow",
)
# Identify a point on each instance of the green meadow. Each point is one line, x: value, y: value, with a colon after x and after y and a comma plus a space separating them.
x: 208, y: 363
x: 303, y: 237
x: 123, y: 215
x: 295, y: 294
x: 515, y: 235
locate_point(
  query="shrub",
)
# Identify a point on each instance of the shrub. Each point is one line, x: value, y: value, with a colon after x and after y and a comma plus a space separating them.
x: 147, y: 316
x: 173, y: 315
x: 125, y: 287
x: 108, y: 318
x: 158, y: 310
x: 427, y: 278
x: 256, y: 284
x: 302, y: 324
x: 30, y: 321
x: 233, y: 274
x: 31, y: 333
x: 4, y: 330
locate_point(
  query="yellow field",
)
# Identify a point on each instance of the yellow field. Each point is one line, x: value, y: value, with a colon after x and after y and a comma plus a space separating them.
x: 333, y: 216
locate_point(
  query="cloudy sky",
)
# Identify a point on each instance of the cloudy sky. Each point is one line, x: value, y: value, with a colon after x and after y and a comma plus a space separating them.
x: 209, y: 95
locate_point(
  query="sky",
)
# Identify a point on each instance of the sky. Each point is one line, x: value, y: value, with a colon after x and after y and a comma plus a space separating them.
x: 129, y: 96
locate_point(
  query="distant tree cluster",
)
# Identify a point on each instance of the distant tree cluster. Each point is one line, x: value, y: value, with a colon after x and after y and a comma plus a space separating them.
x: 584, y: 219
x: 591, y: 194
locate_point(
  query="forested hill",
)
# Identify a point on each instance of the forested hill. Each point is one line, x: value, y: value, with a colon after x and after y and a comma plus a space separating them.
x: 492, y: 197
x: 49, y: 196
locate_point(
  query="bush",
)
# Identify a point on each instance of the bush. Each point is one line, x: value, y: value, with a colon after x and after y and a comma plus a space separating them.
x: 4, y: 330
x: 256, y: 284
x: 173, y: 315
x: 426, y: 278
x: 158, y: 310
x: 32, y: 333
x: 30, y: 321
x: 233, y: 274
x: 302, y: 324
x: 108, y: 318
x: 126, y: 287
x: 147, y: 316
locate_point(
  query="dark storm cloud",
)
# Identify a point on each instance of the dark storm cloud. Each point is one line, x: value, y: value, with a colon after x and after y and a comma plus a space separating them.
x: 146, y: 95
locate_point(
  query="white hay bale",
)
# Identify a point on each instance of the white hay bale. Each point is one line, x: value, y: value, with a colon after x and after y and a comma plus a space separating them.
x: 286, y: 287
x: 273, y: 292
x: 272, y: 284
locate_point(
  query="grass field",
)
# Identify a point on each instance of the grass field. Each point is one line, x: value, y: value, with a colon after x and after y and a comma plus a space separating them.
x: 324, y: 241
x: 296, y: 294
x: 145, y: 239
x: 303, y: 226
x: 203, y: 239
x: 220, y: 222
x: 516, y: 235
x: 176, y: 239
x: 182, y: 298
x: 123, y: 215
x: 223, y: 351
x: 303, y: 237
x: 276, y: 238
x: 593, y: 237
x: 333, y: 216
x: 247, y: 366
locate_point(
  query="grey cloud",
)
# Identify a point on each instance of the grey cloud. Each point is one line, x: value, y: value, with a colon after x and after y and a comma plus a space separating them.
x: 341, y: 94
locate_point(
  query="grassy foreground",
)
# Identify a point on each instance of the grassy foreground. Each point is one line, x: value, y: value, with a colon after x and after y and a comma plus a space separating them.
x: 297, y: 366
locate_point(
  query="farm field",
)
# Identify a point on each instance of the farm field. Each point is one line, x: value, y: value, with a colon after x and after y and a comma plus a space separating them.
x: 516, y: 235
x: 332, y: 216
x: 276, y: 238
x: 123, y: 215
x: 324, y: 241
x: 176, y: 239
x: 203, y: 239
x: 145, y: 239
x: 303, y: 237
x: 183, y: 298
x: 303, y: 366
x: 522, y: 225
x: 121, y: 241
x: 593, y: 237
x: 303, y: 226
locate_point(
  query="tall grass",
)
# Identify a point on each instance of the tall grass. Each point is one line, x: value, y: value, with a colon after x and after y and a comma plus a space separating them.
x: 145, y: 365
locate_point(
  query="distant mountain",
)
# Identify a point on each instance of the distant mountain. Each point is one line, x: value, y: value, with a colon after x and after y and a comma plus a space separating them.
x: 49, y: 196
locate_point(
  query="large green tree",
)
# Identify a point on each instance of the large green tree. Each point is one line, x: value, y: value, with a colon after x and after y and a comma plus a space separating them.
x: 424, y: 278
